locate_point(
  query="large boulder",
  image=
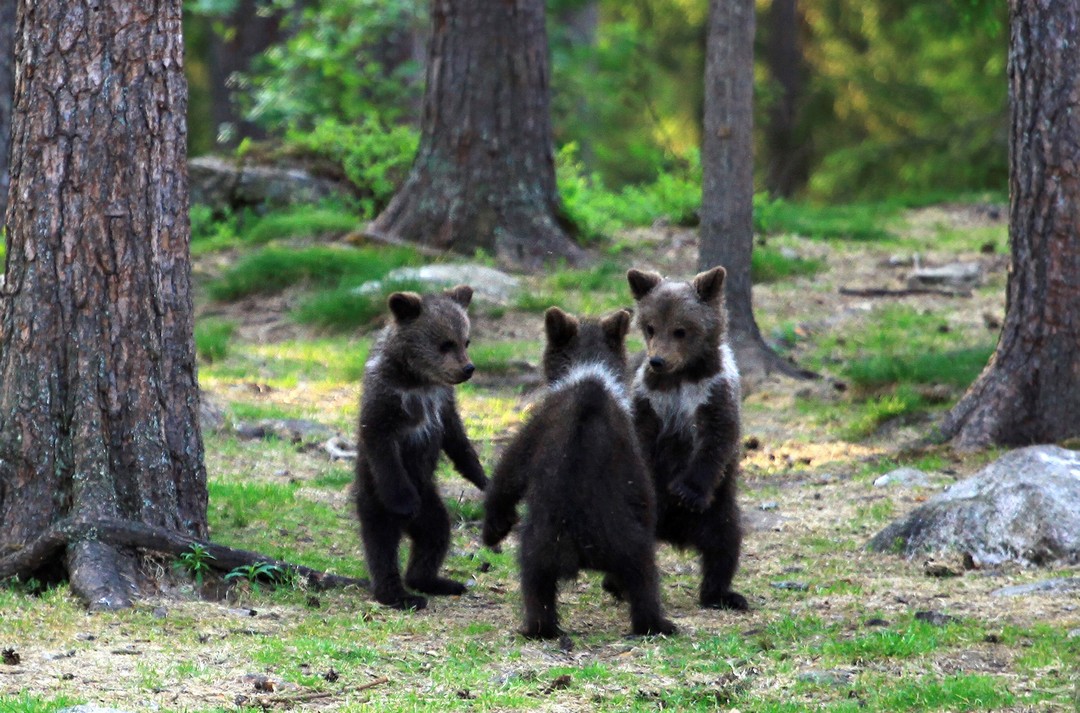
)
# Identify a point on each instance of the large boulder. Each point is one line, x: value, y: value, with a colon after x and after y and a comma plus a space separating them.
x: 223, y: 184
x: 1024, y: 507
x: 488, y: 283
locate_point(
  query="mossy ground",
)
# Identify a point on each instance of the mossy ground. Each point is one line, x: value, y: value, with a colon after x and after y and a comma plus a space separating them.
x: 832, y: 627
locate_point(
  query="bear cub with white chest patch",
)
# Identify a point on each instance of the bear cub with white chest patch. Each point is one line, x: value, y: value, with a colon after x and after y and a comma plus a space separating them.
x: 686, y: 411
x: 407, y: 416
x: 577, y: 464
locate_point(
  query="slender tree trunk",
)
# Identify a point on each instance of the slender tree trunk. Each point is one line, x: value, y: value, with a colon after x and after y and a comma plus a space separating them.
x: 98, y: 390
x: 727, y: 227
x: 788, y: 169
x: 1030, y: 390
x: 7, y: 94
x: 484, y: 174
x: 249, y: 32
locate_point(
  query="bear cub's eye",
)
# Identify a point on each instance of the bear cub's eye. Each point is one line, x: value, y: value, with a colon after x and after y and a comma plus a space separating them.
x: 649, y: 331
x: 446, y: 347
x: 467, y: 343
x: 679, y: 333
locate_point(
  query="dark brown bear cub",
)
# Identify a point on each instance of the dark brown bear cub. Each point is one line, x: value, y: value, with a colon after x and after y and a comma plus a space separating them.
x: 577, y: 464
x: 686, y: 411
x: 407, y: 416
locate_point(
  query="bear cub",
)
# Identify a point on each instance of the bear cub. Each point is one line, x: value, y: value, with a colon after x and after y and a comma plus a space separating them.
x: 686, y: 412
x: 577, y: 464
x: 407, y: 416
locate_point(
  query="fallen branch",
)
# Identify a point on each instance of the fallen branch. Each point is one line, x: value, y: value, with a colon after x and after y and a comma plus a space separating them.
x: 267, y: 701
x: 905, y: 292
x: 39, y: 552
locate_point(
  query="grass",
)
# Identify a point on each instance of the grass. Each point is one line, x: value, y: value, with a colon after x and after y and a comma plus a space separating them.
x: 769, y: 265
x: 273, y: 269
x: 212, y: 337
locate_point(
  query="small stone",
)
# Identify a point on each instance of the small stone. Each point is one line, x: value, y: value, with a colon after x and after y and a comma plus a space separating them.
x: 907, y: 477
x: 769, y: 505
x: 876, y: 622
x: 1074, y: 634
x: 938, y: 569
x: 992, y: 639
x: 825, y: 678
x: 90, y: 708
x: 935, y: 618
x: 160, y: 612
x: 790, y: 585
x: 1062, y: 585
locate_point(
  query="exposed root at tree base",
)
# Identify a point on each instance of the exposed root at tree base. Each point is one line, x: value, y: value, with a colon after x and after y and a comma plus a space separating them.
x: 103, y: 576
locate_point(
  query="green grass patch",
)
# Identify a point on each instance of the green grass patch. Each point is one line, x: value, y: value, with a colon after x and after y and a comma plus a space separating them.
x: 955, y: 367
x: 770, y: 265
x: 345, y: 308
x: 212, y: 337
x: 301, y: 222
x: 273, y: 269
x: 856, y: 222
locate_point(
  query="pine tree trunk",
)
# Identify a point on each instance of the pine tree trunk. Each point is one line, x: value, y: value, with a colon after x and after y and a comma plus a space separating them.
x: 484, y: 174
x: 788, y: 169
x: 7, y: 94
x: 98, y: 390
x: 1030, y: 391
x: 727, y: 223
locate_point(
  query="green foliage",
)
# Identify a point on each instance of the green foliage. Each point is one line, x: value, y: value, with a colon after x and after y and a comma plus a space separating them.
x: 770, y: 265
x: 674, y: 196
x: 196, y: 562
x: 335, y: 64
x: 861, y: 222
x: 955, y: 367
x: 300, y: 222
x: 212, y: 337
x: 273, y: 269
x: 254, y: 573
x: 375, y: 156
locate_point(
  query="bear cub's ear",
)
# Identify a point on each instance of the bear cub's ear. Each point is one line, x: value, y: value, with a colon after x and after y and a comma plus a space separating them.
x: 616, y: 325
x: 560, y: 326
x: 709, y: 285
x: 642, y: 283
x: 405, y: 305
x: 462, y: 294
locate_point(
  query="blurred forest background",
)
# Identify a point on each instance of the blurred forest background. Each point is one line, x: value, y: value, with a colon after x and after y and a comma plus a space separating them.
x: 856, y: 100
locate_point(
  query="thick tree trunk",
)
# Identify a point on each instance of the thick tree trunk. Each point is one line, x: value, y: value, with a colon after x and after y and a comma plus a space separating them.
x: 787, y: 168
x: 1030, y: 391
x: 7, y: 94
x: 98, y: 390
x: 484, y: 174
x: 727, y: 227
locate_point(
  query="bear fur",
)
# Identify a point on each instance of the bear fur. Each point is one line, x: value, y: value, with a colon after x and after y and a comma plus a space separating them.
x: 577, y: 464
x: 686, y: 406
x: 407, y: 416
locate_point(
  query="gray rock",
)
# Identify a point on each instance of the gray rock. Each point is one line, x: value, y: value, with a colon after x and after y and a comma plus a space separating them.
x: 1065, y: 585
x: 1024, y: 507
x: 958, y: 274
x: 825, y: 678
x: 91, y: 708
x: 223, y: 183
x: 487, y: 282
x: 790, y: 585
x: 908, y: 477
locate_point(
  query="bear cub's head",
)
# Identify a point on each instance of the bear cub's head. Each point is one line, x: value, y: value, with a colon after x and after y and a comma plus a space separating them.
x: 575, y: 342
x: 683, y: 322
x: 429, y: 335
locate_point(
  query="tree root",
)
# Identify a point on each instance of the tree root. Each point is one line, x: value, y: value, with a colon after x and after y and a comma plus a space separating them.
x: 73, y: 536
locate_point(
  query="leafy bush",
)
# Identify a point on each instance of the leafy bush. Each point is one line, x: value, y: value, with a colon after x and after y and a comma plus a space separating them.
x: 373, y: 156
x: 273, y: 269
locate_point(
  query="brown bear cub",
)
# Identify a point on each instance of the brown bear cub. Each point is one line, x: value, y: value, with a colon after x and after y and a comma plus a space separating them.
x: 407, y: 416
x: 686, y: 411
x: 577, y: 464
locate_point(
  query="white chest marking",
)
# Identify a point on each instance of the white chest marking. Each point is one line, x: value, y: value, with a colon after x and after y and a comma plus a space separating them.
x: 677, y: 408
x: 600, y: 372
x: 428, y: 403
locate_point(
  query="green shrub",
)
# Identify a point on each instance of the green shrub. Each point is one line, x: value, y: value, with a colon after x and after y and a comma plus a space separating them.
x: 301, y: 222
x: 212, y: 337
x: 374, y: 156
x: 273, y: 269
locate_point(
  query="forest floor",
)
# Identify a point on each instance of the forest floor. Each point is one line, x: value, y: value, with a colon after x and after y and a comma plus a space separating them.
x: 832, y: 626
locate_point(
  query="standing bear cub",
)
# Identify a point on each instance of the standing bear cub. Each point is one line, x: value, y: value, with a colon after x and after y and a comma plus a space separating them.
x: 407, y: 416
x: 577, y: 464
x: 686, y: 411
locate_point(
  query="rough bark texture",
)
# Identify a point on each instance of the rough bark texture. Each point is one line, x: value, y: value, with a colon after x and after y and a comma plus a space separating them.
x: 788, y: 168
x: 484, y: 174
x: 1030, y: 391
x: 727, y: 228
x: 98, y: 390
x: 7, y: 93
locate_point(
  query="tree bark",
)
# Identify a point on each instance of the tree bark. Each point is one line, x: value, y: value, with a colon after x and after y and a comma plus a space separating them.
x: 727, y: 228
x: 249, y: 32
x: 484, y: 174
x: 1030, y: 390
x: 7, y: 94
x: 788, y: 168
x: 98, y: 390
